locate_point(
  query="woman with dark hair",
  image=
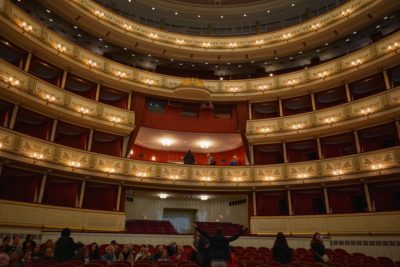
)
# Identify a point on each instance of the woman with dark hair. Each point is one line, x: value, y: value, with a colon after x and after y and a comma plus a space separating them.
x: 94, y: 252
x: 318, y: 247
x: 281, y: 251
x: 28, y: 244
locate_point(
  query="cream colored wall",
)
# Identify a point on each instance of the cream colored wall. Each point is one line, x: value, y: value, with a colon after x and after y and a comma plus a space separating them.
x: 210, y: 210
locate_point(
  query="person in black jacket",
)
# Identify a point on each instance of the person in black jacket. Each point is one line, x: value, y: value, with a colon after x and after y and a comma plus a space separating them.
x: 65, y: 246
x: 281, y: 251
x: 218, y: 251
x: 318, y: 247
x: 189, y: 158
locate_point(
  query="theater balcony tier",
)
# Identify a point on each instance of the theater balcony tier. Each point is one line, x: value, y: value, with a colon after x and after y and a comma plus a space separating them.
x: 21, y: 29
x: 114, y: 28
x: 31, y: 92
x: 360, y: 113
x: 45, y: 155
x: 18, y: 214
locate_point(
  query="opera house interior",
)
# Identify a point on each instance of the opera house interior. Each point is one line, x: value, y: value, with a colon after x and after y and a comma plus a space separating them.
x: 147, y: 121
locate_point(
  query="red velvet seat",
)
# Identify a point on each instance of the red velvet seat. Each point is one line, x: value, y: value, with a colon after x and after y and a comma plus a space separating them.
x: 90, y: 264
x: 125, y: 263
x: 116, y: 264
x: 75, y: 262
x: 100, y: 262
x: 187, y: 264
x: 64, y: 265
x: 165, y: 264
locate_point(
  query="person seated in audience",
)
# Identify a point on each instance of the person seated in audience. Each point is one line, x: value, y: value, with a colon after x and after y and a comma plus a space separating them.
x: 189, y: 158
x: 146, y: 255
x: 158, y: 252
x: 280, y: 251
x: 4, y: 260
x: 116, y: 248
x: 94, y: 252
x: 36, y: 254
x: 126, y: 255
x: 132, y: 250
x: 211, y: 160
x: 49, y: 244
x: 28, y: 244
x: 140, y: 253
x: 201, y: 245
x: 65, y: 246
x: 16, y: 245
x: 234, y: 161
x: 179, y: 256
x: 109, y: 255
x: 5, y: 246
x: 164, y: 256
x: 79, y: 251
x: 318, y: 247
x: 48, y: 254
x: 27, y: 258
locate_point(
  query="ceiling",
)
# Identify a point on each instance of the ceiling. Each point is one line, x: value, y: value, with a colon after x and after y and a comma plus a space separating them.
x: 183, y: 141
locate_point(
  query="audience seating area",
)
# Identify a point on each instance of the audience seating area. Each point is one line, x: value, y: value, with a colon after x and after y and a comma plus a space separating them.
x: 262, y: 257
x: 211, y: 227
x: 150, y: 227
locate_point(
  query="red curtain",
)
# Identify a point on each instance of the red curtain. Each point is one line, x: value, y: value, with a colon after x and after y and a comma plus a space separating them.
x: 346, y: 200
x: 75, y: 141
x: 242, y: 114
x: 307, y: 202
x: 41, y: 131
x: 172, y: 119
x: 222, y: 158
x: 18, y: 186
x: 122, y: 201
x: 272, y: 203
x: 385, y: 196
x: 112, y: 148
x: 100, y: 197
x: 296, y: 154
x: 61, y: 193
x: 268, y: 154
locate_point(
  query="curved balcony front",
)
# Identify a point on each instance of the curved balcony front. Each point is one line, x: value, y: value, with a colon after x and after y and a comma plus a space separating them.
x: 117, y: 29
x: 36, y: 37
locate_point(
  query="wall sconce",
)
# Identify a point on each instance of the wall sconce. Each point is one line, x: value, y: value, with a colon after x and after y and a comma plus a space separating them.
x: 13, y: 81
x: 297, y: 126
x: 115, y: 119
x: 153, y: 35
x: 141, y: 174
x: 127, y: 27
x: 287, y: 36
x: 204, y: 197
x: 153, y: 158
x: 180, y: 42
x: 163, y: 195
x: 346, y: 12
x: 99, y: 13
x: 356, y: 62
x: 92, y: 63
x: 316, y: 26
x: 37, y: 156
x: 206, y: 44
x: 61, y: 48
x: 265, y: 130
x: 268, y: 178
x: 174, y: 177
x: 330, y: 120
x: 109, y: 169
x: 50, y: 98
x: 234, y: 89
x: 1, y: 145
x: 302, y: 175
x: 393, y: 46
x: 237, y: 179
x: 232, y: 44
x: 292, y: 82
x: 263, y: 87
x: 120, y: 74
x: 366, y: 111
x: 26, y: 26
x: 149, y: 81
x: 323, y: 74
x: 338, y: 172
x: 259, y: 42
x: 83, y: 110
x: 206, y: 178
x: 377, y: 166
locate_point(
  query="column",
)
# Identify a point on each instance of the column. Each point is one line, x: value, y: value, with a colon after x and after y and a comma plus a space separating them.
x: 367, y: 197
x: 348, y: 95
x: 358, y: 147
x: 89, y: 148
x: 64, y: 79
x: 327, y: 208
x: 97, y: 92
x: 53, y: 130
x: 254, y: 203
x: 14, y: 116
x: 386, y: 78
x: 285, y: 159
x: 28, y: 61
x: 314, y: 107
x: 251, y: 150
x: 118, y: 198
x: 320, y: 156
x: 128, y: 106
x: 82, y: 195
x: 289, y: 198
x: 250, y: 113
x: 42, y: 186
x: 398, y: 129
x: 125, y: 143
x: 280, y: 107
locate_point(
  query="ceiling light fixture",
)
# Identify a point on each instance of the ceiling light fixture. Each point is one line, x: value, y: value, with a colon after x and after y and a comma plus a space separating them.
x: 166, y: 141
x: 163, y: 195
x: 204, y: 144
x: 204, y: 197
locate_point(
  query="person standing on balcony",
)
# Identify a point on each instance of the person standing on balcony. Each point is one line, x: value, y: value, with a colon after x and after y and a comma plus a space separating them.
x: 189, y: 158
x: 218, y: 251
